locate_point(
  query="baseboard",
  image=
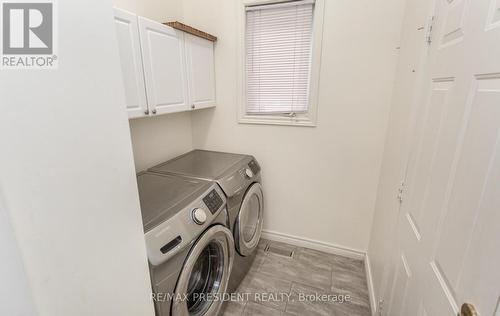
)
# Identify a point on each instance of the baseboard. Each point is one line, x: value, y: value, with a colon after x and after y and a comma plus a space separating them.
x: 328, y: 248
x: 314, y: 244
x: 369, y: 280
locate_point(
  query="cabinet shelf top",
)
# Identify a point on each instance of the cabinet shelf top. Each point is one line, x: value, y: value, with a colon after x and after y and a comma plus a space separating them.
x: 191, y: 30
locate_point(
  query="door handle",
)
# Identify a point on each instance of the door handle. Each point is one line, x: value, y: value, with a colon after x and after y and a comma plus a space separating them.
x: 468, y: 310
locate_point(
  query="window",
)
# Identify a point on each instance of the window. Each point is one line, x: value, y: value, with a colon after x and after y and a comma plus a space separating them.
x: 280, y: 80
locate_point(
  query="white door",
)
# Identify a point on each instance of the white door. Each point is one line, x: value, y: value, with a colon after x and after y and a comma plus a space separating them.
x: 131, y: 62
x: 201, y: 71
x: 410, y: 70
x: 449, y: 231
x: 164, y: 67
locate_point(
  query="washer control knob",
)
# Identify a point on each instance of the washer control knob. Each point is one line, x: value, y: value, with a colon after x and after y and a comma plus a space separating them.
x: 248, y: 172
x: 199, y: 216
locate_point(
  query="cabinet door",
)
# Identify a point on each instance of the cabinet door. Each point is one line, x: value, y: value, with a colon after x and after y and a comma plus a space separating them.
x: 164, y: 67
x: 201, y: 73
x: 131, y: 63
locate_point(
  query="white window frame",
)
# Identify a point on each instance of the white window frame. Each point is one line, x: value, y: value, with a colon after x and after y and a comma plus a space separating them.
x: 299, y: 119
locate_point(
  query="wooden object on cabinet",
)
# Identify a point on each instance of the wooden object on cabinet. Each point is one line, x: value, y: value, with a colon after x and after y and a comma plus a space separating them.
x: 191, y: 30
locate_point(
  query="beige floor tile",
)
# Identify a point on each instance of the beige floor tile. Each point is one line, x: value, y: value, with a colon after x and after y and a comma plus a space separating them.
x: 308, y: 271
x: 267, y: 291
x: 304, y: 301
x: 232, y: 308
x: 296, y: 271
x: 254, y: 309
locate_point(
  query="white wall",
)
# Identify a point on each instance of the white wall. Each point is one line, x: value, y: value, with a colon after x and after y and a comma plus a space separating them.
x: 157, y: 139
x: 15, y: 294
x: 160, y: 138
x: 159, y: 10
x: 67, y: 174
x: 320, y: 183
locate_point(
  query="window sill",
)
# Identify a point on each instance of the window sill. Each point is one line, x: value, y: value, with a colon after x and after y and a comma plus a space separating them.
x: 277, y: 120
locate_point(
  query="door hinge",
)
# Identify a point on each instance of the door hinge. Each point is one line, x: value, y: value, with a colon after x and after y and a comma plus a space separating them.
x: 401, y: 191
x: 428, y: 37
x: 380, y: 307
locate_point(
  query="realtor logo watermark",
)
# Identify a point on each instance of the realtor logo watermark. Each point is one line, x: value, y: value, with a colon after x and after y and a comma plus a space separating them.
x: 29, y: 35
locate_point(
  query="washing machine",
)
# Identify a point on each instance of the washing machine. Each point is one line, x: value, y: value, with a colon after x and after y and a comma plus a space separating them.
x: 239, y: 178
x: 189, y: 244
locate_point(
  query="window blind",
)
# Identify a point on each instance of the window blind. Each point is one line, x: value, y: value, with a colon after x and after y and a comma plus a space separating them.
x: 278, y: 57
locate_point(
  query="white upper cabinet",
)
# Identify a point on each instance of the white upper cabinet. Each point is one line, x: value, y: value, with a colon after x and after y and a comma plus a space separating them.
x: 164, y: 67
x: 131, y: 63
x: 200, y: 69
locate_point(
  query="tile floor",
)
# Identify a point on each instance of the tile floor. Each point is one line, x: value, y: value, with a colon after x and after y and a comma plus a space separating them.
x: 308, y: 283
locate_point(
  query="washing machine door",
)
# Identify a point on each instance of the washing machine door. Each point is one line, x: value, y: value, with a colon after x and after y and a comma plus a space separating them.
x: 205, y: 274
x: 248, y: 227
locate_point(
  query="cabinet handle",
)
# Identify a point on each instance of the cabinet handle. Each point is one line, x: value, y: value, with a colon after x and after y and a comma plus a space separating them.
x: 193, y: 106
x: 146, y: 112
x: 154, y: 111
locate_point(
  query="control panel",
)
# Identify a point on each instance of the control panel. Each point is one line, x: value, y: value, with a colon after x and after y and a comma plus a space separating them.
x: 168, y: 238
x: 248, y: 173
x: 240, y: 176
x: 199, y: 216
x: 250, y: 170
x: 213, y: 201
x: 254, y: 166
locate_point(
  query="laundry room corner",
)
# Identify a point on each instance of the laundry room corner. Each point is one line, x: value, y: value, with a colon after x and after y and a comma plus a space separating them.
x: 337, y: 162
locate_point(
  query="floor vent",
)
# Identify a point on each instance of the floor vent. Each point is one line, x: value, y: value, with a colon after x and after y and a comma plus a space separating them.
x: 280, y: 250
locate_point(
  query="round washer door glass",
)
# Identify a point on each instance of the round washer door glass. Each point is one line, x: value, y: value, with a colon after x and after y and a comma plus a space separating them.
x: 249, y: 226
x: 205, y: 274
